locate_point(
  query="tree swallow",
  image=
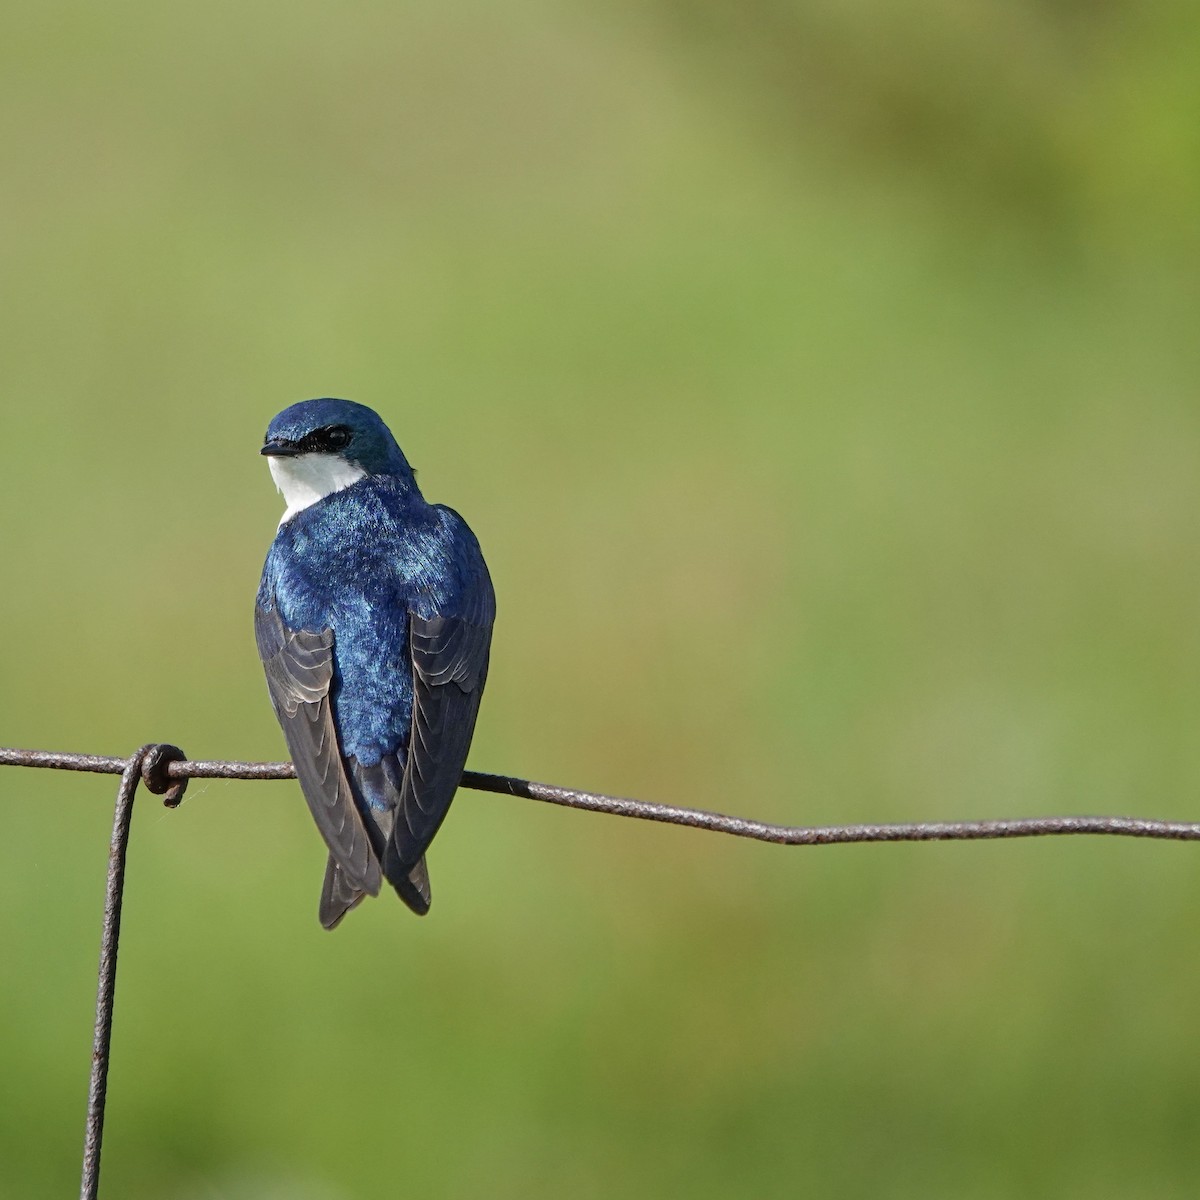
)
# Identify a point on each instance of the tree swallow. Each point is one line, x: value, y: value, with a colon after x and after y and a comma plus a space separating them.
x: 374, y: 622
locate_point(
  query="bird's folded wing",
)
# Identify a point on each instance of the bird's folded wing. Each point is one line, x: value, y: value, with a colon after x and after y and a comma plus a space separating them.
x: 450, y: 658
x: 299, y: 668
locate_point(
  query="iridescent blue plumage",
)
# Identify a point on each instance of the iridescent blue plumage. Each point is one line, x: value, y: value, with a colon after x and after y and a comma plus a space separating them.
x: 374, y: 622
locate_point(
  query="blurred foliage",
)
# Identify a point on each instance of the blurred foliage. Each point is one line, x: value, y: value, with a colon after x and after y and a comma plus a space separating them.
x: 821, y: 382
x: 1074, y: 119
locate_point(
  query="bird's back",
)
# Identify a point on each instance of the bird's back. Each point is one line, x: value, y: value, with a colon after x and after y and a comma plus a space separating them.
x: 358, y: 563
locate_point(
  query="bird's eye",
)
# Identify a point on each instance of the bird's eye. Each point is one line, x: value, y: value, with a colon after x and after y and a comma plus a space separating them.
x: 337, y: 438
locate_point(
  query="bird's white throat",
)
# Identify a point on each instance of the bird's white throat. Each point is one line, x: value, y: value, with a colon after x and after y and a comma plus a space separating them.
x: 307, y: 478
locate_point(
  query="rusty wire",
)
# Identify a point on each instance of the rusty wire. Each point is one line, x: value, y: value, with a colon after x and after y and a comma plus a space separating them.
x: 165, y: 770
x: 176, y: 769
x: 148, y: 766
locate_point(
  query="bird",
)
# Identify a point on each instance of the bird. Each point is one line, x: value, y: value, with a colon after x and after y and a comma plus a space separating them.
x: 374, y: 624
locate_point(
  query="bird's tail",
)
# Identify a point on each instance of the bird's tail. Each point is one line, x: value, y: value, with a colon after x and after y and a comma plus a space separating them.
x: 379, y: 791
x: 338, y: 897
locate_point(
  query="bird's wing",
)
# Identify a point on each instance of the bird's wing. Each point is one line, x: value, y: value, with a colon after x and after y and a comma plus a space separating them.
x: 450, y: 657
x: 299, y: 668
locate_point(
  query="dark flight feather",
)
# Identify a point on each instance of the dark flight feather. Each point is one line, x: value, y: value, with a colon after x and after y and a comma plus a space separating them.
x: 299, y: 669
x: 337, y: 896
x: 383, y: 783
x: 450, y: 660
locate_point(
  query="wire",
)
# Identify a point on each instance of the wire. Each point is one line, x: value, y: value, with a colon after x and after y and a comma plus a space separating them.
x: 166, y: 771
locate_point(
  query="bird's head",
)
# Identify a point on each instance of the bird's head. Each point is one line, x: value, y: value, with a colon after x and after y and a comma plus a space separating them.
x: 318, y: 447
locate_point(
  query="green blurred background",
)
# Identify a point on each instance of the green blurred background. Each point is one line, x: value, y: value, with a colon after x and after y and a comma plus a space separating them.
x: 821, y: 381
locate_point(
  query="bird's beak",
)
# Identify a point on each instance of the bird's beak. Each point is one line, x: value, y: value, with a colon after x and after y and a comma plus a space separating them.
x: 280, y: 448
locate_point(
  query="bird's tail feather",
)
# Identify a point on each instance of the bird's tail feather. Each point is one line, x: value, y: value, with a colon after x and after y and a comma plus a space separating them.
x: 338, y: 897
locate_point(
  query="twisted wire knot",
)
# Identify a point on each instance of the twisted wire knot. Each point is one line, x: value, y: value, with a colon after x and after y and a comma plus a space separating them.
x: 156, y: 758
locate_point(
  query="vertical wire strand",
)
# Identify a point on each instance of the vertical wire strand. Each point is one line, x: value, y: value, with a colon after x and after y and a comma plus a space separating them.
x: 107, y: 980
